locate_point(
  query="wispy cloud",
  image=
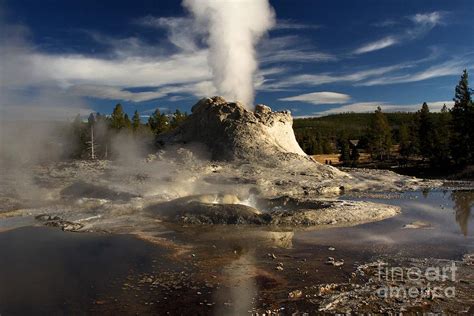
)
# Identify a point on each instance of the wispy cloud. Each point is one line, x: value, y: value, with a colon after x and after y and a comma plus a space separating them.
x: 377, y: 45
x: 326, y: 78
x: 428, y: 19
x: 17, y: 101
x: 199, y: 89
x: 367, y: 107
x: 411, y: 71
x: 324, y: 97
x: 67, y: 70
x: 285, y: 24
x: 183, y: 72
x: 386, y: 23
x: 422, y: 23
x: 295, y: 55
x: 114, y: 93
x: 448, y: 68
x: 182, y: 31
x: 290, y: 48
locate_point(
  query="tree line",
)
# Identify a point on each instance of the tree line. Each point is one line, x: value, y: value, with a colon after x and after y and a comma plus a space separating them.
x: 440, y: 139
x: 93, y: 138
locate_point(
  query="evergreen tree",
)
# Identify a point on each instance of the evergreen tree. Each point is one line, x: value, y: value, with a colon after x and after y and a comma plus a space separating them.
x: 127, y: 124
x: 354, y: 156
x: 177, y: 118
x: 425, y: 132
x: 326, y: 146
x: 380, y: 136
x: 405, y: 148
x: 441, y: 154
x: 135, y: 121
x: 345, y: 155
x: 79, y: 136
x: 158, y: 122
x: 117, y: 119
x: 462, y: 129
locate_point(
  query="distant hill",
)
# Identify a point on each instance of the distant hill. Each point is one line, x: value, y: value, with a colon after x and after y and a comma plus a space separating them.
x: 319, y: 135
x: 354, y: 124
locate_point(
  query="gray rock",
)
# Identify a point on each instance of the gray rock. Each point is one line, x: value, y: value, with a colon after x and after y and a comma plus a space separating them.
x: 232, y: 132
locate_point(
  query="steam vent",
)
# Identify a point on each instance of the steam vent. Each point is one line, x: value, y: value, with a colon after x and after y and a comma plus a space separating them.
x: 232, y: 132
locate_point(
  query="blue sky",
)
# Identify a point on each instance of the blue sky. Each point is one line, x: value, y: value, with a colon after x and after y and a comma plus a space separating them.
x: 62, y: 57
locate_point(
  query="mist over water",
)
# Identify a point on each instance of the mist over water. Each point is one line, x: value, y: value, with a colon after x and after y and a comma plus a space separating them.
x: 233, y: 28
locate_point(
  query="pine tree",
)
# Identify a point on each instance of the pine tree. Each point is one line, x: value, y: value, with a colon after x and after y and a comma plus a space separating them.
x: 177, y: 118
x: 117, y: 119
x: 441, y: 154
x: 326, y: 146
x: 380, y: 136
x: 79, y: 136
x: 158, y: 122
x: 462, y: 129
x: 135, y: 121
x: 127, y: 124
x: 345, y: 155
x: 354, y: 156
x: 425, y: 132
x: 406, y: 148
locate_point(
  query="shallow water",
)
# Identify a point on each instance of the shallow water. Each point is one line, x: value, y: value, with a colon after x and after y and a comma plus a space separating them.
x: 447, y: 232
x: 46, y: 271
x: 227, y: 269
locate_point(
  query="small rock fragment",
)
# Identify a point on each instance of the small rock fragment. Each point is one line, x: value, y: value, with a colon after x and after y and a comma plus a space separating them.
x: 272, y: 255
x: 295, y: 294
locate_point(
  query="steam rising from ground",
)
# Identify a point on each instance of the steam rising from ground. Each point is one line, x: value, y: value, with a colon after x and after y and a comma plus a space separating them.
x: 233, y: 28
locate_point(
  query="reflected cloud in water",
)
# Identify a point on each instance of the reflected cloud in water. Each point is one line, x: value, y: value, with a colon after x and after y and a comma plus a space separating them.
x: 238, y: 298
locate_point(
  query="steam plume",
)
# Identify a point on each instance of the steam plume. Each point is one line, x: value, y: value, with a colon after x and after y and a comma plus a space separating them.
x: 233, y: 28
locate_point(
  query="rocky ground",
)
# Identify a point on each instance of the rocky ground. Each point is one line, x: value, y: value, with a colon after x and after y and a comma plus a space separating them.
x: 101, y: 195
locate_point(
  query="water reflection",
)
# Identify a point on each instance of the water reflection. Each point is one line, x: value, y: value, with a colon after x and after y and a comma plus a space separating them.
x: 463, y: 202
x: 238, y: 297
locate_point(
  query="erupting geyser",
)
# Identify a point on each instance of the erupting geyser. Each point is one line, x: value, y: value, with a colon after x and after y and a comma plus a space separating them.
x: 233, y: 28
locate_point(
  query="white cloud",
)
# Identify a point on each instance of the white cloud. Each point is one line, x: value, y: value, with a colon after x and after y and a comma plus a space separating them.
x: 392, y: 74
x: 67, y: 70
x: 325, y: 78
x: 46, y: 104
x: 292, y: 25
x: 100, y: 77
x: 422, y: 23
x: 133, y: 63
x: 448, y: 68
x: 377, y: 45
x: 182, y: 31
x: 367, y: 107
x: 17, y: 101
x: 290, y: 48
x: 324, y: 97
x: 431, y: 19
x: 295, y: 55
x: 114, y: 93
x: 199, y: 89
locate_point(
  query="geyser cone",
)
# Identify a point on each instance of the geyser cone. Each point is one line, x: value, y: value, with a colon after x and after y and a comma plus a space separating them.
x: 232, y: 132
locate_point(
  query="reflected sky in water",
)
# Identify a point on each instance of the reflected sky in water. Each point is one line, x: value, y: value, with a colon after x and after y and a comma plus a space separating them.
x: 446, y: 216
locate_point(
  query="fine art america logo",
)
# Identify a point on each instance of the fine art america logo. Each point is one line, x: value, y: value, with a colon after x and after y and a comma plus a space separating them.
x: 416, y: 283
